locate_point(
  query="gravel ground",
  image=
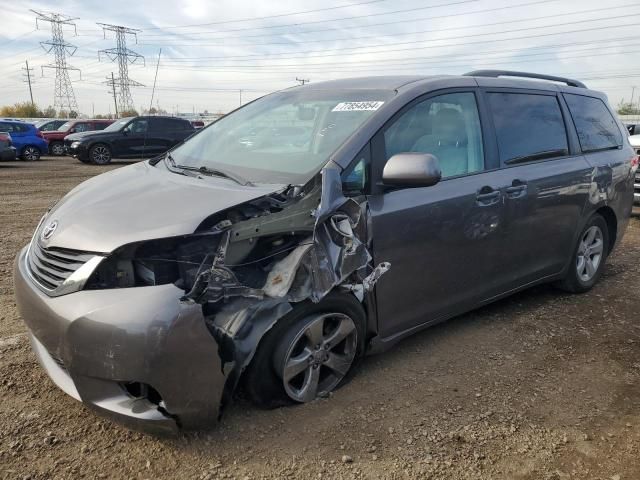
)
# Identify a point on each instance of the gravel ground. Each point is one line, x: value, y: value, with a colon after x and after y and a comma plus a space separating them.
x: 543, y: 385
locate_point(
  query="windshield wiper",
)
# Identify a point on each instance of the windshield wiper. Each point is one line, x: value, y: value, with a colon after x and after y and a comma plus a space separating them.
x: 203, y: 170
x: 216, y: 173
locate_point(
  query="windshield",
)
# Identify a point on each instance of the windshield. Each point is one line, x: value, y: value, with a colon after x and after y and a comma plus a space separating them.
x: 117, y: 125
x: 285, y: 137
x: 64, y: 127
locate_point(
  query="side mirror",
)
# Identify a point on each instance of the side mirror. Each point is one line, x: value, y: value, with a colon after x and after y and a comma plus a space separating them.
x: 411, y: 169
x: 73, y: 130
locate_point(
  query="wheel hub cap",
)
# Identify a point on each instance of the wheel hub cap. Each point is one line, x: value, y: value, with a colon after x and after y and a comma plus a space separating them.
x: 318, y: 357
x: 590, y: 252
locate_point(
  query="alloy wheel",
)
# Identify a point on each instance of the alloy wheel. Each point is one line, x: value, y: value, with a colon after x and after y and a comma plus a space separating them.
x: 590, y: 252
x: 31, y: 154
x: 57, y: 149
x: 100, y: 155
x: 318, y: 356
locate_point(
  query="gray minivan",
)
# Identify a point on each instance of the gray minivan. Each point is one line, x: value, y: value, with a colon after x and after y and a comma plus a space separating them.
x: 152, y: 291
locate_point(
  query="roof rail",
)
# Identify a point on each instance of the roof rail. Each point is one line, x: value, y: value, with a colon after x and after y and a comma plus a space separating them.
x: 508, y: 73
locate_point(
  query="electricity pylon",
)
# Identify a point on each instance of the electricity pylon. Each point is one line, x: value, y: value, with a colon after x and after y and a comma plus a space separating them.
x: 64, y: 98
x: 124, y: 57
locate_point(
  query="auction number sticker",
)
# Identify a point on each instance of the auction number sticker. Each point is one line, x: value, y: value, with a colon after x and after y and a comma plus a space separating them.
x: 356, y: 106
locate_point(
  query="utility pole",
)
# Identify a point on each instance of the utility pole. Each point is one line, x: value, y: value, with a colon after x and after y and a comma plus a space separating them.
x: 124, y: 57
x: 302, y: 80
x: 64, y: 97
x: 28, y: 80
x: 112, y: 83
x: 155, y: 78
x: 240, y: 91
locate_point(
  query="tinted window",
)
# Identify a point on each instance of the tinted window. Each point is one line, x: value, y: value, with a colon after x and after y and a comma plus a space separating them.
x: 6, y: 127
x: 82, y: 127
x: 447, y: 126
x: 99, y: 126
x: 528, y: 126
x: 138, y: 126
x: 169, y: 124
x: 597, y: 130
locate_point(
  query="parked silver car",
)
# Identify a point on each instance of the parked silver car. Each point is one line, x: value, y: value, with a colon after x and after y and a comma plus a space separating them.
x: 152, y: 291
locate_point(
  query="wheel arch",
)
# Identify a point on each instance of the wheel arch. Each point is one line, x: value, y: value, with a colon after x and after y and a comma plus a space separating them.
x: 610, y: 217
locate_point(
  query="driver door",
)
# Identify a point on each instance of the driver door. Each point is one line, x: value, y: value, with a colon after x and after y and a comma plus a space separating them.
x: 133, y: 138
x: 443, y: 242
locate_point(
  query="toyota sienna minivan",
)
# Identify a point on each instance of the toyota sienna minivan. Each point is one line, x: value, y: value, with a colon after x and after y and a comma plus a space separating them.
x: 152, y: 291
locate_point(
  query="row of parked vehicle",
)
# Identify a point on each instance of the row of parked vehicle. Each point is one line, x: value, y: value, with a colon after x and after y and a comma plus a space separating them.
x: 93, y: 140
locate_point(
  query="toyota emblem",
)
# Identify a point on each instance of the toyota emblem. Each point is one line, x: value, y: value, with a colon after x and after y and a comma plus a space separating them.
x: 47, y: 232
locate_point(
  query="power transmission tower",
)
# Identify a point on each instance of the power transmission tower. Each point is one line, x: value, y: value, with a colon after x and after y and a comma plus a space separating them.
x: 27, y: 79
x: 124, y: 57
x: 302, y: 80
x: 63, y: 96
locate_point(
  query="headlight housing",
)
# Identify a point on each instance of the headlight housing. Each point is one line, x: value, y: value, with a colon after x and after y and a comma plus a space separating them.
x: 75, y: 144
x: 155, y: 262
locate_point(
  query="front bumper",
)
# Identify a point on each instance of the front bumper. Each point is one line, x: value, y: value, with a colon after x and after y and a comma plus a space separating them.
x: 79, y: 151
x: 93, y: 343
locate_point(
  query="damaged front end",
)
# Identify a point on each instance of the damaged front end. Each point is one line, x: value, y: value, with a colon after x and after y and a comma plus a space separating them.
x: 220, y: 290
x: 263, y: 265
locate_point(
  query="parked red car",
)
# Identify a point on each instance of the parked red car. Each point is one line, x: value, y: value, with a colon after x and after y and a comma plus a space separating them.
x: 56, y: 137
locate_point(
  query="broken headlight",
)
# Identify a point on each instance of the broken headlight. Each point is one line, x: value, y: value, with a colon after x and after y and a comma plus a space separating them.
x: 155, y: 262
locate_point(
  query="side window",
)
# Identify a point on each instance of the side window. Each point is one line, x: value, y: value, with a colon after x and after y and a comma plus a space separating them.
x: 138, y: 126
x: 528, y: 126
x: 6, y: 127
x: 99, y: 126
x: 597, y: 130
x: 81, y: 127
x: 447, y: 126
x: 355, y: 178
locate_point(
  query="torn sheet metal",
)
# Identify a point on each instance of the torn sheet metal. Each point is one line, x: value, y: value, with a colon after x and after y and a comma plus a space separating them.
x: 333, y: 254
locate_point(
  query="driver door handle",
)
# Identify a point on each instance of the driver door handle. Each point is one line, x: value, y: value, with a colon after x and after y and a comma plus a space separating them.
x: 487, y: 196
x: 517, y: 189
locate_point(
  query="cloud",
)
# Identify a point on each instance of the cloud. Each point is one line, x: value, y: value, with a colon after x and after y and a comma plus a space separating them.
x: 233, y: 47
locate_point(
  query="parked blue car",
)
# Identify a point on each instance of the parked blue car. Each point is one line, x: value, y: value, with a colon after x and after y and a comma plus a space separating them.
x: 27, y: 139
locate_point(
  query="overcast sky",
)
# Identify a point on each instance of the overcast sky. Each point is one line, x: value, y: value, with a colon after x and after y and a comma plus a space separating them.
x: 212, y: 49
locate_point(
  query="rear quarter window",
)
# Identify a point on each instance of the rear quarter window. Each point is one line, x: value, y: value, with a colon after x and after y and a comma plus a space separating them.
x: 596, y: 127
x: 528, y: 126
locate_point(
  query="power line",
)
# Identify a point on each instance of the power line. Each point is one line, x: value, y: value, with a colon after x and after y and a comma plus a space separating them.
x: 465, y: 27
x: 124, y: 57
x: 64, y: 97
x: 301, y: 13
x: 309, y: 53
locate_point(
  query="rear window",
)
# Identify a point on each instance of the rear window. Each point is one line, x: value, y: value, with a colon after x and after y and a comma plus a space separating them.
x: 528, y: 126
x: 597, y: 129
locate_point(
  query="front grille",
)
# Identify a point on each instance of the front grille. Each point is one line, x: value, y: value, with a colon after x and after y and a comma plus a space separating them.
x: 50, y: 267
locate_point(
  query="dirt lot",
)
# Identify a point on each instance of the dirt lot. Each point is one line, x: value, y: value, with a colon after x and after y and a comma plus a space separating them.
x: 543, y: 385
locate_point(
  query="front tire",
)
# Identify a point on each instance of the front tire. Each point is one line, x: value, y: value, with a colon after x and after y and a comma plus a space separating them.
x: 589, y: 256
x: 100, y: 154
x: 30, y: 153
x: 308, y: 353
x: 56, y: 148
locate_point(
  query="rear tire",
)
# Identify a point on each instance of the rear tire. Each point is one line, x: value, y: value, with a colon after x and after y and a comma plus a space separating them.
x: 588, y: 257
x: 56, y: 148
x: 30, y: 153
x: 264, y: 380
x: 100, y: 154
